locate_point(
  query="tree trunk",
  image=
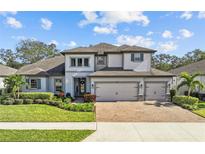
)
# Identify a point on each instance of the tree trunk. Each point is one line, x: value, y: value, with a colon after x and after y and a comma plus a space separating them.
x: 189, y: 91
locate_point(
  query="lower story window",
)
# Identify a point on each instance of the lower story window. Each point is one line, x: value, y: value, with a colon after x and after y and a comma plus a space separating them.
x: 33, y: 83
x: 58, y: 85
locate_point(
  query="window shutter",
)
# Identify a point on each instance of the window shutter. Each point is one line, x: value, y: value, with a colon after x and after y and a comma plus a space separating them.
x: 141, y: 57
x: 132, y: 57
x: 27, y: 83
x: 39, y: 83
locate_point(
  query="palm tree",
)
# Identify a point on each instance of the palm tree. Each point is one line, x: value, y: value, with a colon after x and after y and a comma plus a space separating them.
x: 14, y: 82
x: 190, y: 81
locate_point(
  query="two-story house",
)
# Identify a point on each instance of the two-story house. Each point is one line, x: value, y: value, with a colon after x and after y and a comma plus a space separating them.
x: 114, y: 73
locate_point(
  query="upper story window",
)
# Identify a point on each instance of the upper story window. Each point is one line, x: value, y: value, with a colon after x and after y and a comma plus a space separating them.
x: 137, y: 57
x: 79, y: 62
x: 73, y: 62
x: 100, y: 60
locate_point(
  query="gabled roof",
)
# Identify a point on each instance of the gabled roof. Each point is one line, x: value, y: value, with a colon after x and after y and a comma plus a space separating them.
x: 196, y: 67
x: 107, y: 48
x: 129, y: 73
x: 47, y: 67
x: 6, y: 71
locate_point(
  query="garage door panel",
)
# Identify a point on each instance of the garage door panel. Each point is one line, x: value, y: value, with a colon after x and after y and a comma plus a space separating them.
x: 155, y: 91
x: 116, y: 91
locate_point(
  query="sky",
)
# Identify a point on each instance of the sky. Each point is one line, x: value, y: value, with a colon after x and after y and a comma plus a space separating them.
x: 175, y: 33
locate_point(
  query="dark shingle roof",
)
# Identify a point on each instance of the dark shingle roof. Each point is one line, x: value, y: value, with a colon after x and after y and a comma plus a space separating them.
x: 107, y: 48
x: 47, y: 67
x: 197, y: 67
x: 129, y: 73
x: 6, y: 71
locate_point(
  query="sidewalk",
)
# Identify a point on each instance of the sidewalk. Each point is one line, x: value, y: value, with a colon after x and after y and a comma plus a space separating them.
x: 115, y: 132
x: 49, y: 125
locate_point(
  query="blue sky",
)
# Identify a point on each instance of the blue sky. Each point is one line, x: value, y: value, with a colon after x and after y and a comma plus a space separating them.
x: 169, y: 32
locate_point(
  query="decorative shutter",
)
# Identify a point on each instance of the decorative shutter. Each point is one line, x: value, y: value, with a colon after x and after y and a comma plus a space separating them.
x: 39, y: 83
x: 132, y: 57
x: 27, y: 83
x: 141, y: 57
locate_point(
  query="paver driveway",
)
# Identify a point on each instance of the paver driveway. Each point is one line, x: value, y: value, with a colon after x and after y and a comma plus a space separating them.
x: 150, y: 111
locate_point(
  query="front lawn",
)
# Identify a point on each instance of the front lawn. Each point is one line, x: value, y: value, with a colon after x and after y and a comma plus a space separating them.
x: 43, y: 135
x: 201, y: 110
x: 41, y: 113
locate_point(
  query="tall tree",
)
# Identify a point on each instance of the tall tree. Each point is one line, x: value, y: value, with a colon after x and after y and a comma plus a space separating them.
x: 30, y: 51
x: 9, y: 58
x: 190, y: 81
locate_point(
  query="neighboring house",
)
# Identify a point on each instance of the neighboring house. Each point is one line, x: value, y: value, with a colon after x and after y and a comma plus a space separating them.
x: 115, y: 73
x: 196, y: 67
x: 4, y: 72
x: 45, y: 75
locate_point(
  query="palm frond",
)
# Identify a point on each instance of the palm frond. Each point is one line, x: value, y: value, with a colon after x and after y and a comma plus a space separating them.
x: 195, y: 75
x: 198, y: 83
x: 183, y: 83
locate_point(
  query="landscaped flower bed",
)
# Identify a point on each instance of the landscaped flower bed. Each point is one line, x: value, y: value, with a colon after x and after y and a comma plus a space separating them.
x: 46, y: 98
x: 186, y: 102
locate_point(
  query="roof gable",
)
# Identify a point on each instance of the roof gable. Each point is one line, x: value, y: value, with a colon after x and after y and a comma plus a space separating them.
x: 107, y: 48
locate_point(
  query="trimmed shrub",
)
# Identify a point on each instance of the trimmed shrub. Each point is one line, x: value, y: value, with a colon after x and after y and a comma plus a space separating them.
x: 54, y: 103
x: 38, y: 101
x: 172, y: 93
x: 187, y: 102
x: 80, y: 107
x: 46, y: 101
x: 8, y: 101
x: 36, y: 95
x: 89, y: 98
x: 67, y: 100
x: 18, y: 101
x: 28, y: 101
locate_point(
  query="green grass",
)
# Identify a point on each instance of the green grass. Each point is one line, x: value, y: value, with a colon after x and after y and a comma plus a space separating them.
x: 43, y: 135
x: 201, y: 110
x: 41, y: 113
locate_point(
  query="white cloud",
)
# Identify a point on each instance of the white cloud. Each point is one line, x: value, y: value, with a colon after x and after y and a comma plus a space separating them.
x: 71, y: 44
x: 53, y: 42
x: 201, y: 15
x: 20, y: 37
x: 150, y: 33
x: 167, y: 46
x: 167, y: 34
x: 5, y: 13
x: 105, y: 30
x: 46, y: 23
x: 186, y: 15
x: 134, y: 40
x: 185, y: 33
x: 12, y: 22
x: 114, y: 18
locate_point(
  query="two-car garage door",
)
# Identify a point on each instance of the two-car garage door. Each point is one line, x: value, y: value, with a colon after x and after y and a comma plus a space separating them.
x: 126, y: 91
x: 117, y: 91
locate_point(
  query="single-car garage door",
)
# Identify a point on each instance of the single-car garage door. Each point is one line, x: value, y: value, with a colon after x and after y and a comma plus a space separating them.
x: 155, y: 91
x: 121, y: 91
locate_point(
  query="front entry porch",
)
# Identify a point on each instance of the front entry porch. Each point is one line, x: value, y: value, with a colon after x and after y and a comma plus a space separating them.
x: 79, y: 87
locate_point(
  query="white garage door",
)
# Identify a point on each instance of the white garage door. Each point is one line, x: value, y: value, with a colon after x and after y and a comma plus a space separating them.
x: 155, y: 91
x: 116, y: 91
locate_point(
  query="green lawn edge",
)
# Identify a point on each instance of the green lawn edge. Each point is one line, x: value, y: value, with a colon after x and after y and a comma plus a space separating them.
x: 43, y: 135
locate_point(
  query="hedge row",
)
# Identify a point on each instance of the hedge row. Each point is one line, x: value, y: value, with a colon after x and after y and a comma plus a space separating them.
x: 36, y: 95
x: 84, y: 107
x: 187, y: 102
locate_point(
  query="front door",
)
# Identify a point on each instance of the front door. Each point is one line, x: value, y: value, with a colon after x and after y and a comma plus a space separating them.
x: 80, y: 86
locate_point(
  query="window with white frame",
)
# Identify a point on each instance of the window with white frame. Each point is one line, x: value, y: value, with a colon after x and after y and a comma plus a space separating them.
x: 79, y: 62
x: 137, y: 57
x: 33, y: 84
x: 58, y: 85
